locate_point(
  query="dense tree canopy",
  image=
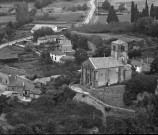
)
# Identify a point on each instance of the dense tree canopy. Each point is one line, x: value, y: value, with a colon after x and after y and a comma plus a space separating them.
x: 42, y: 32
x: 112, y: 17
x: 139, y: 84
x: 80, y: 56
x: 106, y: 5
x: 154, y: 66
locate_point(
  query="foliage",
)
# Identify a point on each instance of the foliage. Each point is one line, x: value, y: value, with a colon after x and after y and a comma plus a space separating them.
x: 22, y: 129
x: 112, y: 17
x: 45, y: 58
x: 103, y: 51
x: 106, y: 5
x: 115, y: 27
x: 80, y: 56
x: 134, y: 53
x: 122, y: 7
x: 22, y: 13
x: 152, y: 11
x: 3, y: 102
x: 41, y: 3
x: 143, y: 24
x: 79, y: 41
x: 139, y: 84
x: 42, y: 32
x: 154, y: 66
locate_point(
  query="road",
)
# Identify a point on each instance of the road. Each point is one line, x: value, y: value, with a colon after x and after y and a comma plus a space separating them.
x: 15, y: 41
x: 91, y: 12
x: 89, y: 99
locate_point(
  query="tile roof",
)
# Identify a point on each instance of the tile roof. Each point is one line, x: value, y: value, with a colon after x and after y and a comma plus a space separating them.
x: 105, y: 62
x: 58, y: 53
x: 12, y: 71
x: 119, y: 42
x: 67, y: 58
x: 48, y: 37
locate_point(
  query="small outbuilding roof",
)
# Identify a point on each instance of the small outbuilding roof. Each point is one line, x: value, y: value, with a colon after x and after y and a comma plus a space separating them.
x: 58, y: 53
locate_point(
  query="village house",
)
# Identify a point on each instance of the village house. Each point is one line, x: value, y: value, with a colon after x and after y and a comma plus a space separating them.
x: 65, y: 44
x: 24, y: 87
x: 7, y: 74
x: 56, y: 56
x: 104, y: 71
x: 45, y: 39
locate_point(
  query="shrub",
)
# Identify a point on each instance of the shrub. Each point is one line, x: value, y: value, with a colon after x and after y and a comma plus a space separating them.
x: 139, y: 84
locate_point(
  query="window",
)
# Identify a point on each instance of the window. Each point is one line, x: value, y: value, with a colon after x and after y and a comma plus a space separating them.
x: 122, y: 48
x: 101, y: 74
x: 114, y: 48
x: 55, y: 58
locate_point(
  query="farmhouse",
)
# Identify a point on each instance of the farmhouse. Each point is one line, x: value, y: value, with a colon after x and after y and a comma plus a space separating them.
x: 45, y: 39
x: 9, y: 54
x: 57, y: 55
x: 24, y: 87
x: 39, y: 26
x: 7, y: 74
x: 65, y: 44
x: 104, y: 71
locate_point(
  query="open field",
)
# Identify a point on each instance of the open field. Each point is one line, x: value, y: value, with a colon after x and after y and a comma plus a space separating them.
x: 65, y: 17
x: 122, y: 18
x: 62, y: 3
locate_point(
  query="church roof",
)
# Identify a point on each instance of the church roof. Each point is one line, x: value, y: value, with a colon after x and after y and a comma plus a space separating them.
x: 105, y: 62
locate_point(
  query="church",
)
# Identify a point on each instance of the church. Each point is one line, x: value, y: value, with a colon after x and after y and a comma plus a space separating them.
x: 104, y: 71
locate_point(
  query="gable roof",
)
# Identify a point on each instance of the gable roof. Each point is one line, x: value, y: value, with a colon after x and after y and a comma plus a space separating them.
x: 12, y: 71
x: 118, y: 42
x: 105, y: 62
x: 58, y: 53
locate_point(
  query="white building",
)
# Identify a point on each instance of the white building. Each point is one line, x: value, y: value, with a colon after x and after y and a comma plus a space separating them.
x: 39, y: 26
x: 57, y: 55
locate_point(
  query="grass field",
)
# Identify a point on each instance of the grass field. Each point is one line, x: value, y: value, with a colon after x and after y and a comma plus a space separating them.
x: 122, y: 18
x: 112, y: 95
x: 62, y: 17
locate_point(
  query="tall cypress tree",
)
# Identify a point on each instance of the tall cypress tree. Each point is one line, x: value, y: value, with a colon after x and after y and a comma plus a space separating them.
x: 112, y: 17
x: 156, y: 12
x: 152, y: 11
x: 146, y: 9
x: 136, y: 13
x: 132, y: 12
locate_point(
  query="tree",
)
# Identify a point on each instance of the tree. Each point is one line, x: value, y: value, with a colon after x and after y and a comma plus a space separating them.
x: 22, y: 13
x: 80, y: 56
x: 3, y: 103
x: 22, y: 129
x: 139, y: 84
x: 143, y: 24
x: 146, y: 9
x: 84, y: 7
x: 106, y: 5
x: 134, y: 53
x: 152, y: 11
x: 132, y: 12
x: 42, y: 32
x: 122, y: 7
x: 103, y: 51
x: 45, y: 58
x: 112, y: 17
x: 154, y: 66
